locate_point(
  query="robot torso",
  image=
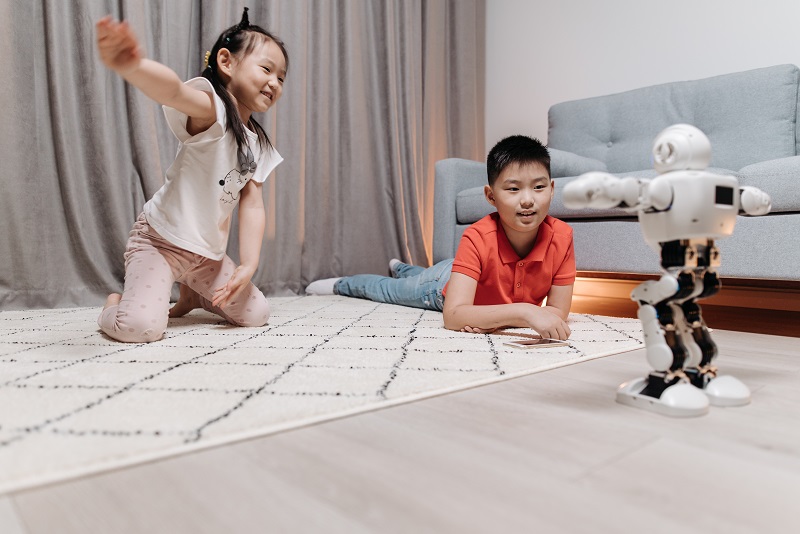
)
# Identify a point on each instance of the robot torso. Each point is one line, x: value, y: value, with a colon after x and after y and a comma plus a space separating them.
x: 704, y: 205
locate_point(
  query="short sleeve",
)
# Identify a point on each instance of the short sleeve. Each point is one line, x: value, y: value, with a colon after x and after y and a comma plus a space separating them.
x: 467, y: 260
x: 267, y: 161
x: 177, y: 120
x: 566, y: 272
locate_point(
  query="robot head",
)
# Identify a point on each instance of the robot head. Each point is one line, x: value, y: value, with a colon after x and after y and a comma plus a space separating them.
x: 681, y: 147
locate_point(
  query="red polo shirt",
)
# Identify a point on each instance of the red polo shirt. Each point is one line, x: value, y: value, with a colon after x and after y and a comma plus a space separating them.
x: 486, y: 255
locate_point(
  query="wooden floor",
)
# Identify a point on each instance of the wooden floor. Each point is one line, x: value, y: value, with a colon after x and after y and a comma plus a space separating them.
x: 550, y: 452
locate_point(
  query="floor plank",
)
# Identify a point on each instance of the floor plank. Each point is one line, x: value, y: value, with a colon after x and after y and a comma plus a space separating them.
x: 9, y: 521
x: 547, y: 452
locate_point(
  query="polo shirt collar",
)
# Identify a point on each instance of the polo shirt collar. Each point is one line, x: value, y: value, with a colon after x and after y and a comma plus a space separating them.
x: 507, y: 252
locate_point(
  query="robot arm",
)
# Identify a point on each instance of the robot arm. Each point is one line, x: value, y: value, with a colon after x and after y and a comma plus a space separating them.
x: 602, y: 190
x: 754, y: 201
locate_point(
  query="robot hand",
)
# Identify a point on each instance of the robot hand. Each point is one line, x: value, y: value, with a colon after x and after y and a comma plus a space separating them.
x: 601, y: 190
x: 754, y: 201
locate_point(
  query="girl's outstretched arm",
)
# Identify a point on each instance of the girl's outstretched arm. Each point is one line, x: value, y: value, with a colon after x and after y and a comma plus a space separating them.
x: 120, y: 51
x: 252, y: 220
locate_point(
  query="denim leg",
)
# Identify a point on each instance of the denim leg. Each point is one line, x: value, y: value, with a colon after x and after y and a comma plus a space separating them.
x: 405, y: 270
x: 423, y: 290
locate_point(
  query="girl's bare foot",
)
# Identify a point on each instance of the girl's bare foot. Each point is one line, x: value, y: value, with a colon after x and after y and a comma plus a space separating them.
x: 112, y: 300
x: 187, y: 301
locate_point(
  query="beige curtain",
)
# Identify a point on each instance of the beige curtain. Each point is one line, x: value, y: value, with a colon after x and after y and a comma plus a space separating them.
x: 376, y: 93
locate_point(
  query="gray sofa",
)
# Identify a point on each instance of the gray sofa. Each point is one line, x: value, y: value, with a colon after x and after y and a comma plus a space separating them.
x: 752, y: 121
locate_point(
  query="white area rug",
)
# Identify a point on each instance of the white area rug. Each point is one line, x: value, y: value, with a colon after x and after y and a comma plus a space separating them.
x: 73, y: 402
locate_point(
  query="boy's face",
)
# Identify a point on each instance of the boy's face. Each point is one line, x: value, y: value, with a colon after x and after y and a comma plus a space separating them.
x: 522, y: 196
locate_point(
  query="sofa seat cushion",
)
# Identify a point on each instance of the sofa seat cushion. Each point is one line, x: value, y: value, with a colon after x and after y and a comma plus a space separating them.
x: 780, y: 178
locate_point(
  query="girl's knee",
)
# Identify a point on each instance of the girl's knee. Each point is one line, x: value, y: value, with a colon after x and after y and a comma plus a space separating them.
x: 130, y: 328
x: 255, y: 312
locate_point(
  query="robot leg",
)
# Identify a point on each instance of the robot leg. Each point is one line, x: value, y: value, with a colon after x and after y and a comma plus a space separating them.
x: 721, y: 390
x: 666, y: 390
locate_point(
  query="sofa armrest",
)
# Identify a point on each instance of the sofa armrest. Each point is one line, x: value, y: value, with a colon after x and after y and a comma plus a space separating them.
x: 780, y: 178
x: 452, y: 175
x: 564, y: 163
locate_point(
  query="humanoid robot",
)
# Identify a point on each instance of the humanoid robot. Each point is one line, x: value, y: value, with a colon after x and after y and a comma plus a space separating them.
x: 680, y: 212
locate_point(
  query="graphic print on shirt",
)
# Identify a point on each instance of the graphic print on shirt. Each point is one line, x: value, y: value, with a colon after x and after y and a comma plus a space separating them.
x: 235, y: 180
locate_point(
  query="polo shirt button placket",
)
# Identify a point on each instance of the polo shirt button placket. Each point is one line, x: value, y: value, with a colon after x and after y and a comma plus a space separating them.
x: 519, y: 275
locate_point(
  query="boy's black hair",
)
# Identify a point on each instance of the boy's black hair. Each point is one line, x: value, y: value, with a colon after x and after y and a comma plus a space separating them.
x: 241, y: 38
x: 516, y: 149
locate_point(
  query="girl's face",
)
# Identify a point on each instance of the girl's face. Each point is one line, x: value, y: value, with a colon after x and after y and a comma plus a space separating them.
x: 256, y: 80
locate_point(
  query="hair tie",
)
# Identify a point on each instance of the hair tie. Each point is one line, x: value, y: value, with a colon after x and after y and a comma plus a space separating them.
x: 206, y: 58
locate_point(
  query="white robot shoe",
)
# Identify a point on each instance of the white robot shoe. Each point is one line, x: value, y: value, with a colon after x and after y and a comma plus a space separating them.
x: 679, y: 400
x: 727, y: 391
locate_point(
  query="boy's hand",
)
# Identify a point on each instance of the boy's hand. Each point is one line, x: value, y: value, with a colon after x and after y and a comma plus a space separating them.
x: 238, y: 281
x: 473, y: 330
x: 548, y: 324
x: 119, y: 49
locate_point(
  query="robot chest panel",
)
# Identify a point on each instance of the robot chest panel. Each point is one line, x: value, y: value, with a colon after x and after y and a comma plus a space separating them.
x: 704, y: 205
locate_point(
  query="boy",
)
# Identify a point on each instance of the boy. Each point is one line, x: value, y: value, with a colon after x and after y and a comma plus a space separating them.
x: 506, y: 263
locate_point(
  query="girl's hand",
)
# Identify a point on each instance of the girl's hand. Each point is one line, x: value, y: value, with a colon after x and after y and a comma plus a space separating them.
x: 119, y: 49
x: 238, y: 281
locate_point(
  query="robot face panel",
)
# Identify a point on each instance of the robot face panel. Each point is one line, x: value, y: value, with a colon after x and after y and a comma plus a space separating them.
x: 724, y: 195
x: 681, y: 147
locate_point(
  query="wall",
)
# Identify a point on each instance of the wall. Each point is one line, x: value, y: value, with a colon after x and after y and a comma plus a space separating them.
x: 539, y: 53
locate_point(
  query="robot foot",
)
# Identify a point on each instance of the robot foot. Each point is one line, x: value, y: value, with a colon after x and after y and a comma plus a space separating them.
x: 677, y: 399
x: 721, y: 390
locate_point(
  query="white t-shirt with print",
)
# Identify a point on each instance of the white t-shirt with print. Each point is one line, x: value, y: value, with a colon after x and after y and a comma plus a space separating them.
x: 193, y: 208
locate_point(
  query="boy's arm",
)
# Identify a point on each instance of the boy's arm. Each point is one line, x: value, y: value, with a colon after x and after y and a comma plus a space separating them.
x: 559, y: 300
x: 252, y: 221
x: 119, y: 50
x: 461, y: 314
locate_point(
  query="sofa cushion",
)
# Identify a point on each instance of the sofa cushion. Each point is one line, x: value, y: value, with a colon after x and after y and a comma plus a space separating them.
x: 569, y: 164
x: 780, y: 178
x: 471, y: 205
x: 748, y: 116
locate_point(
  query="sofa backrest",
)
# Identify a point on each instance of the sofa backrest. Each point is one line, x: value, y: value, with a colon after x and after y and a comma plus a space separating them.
x: 749, y: 117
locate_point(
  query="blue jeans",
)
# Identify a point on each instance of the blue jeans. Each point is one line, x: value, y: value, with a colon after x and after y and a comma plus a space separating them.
x: 412, y: 286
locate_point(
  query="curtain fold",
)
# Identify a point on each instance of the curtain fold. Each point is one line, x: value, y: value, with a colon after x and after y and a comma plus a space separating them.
x: 376, y: 93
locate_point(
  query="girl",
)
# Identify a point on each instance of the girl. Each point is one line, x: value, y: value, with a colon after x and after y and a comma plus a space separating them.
x: 223, y: 158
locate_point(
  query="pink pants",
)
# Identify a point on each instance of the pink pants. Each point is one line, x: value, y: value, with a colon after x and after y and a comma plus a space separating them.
x: 152, y: 266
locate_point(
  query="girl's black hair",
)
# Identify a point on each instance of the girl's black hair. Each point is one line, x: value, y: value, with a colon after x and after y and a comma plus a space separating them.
x: 241, y: 38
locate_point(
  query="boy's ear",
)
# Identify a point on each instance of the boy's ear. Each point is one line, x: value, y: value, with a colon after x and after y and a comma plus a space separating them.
x: 489, y: 194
